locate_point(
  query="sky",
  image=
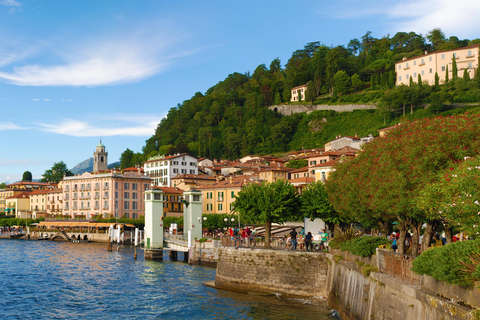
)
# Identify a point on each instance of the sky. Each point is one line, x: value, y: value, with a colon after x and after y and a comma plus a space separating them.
x: 74, y: 72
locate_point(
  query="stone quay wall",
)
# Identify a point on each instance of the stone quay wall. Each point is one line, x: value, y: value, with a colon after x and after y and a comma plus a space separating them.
x: 204, y: 253
x: 342, y: 280
x: 273, y: 272
x: 289, y: 109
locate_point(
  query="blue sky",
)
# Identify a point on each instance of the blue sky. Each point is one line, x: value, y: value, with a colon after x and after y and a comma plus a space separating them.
x: 74, y: 72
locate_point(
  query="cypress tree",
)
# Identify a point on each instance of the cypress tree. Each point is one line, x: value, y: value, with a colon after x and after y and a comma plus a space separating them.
x: 391, y: 79
x: 411, y: 82
x: 454, y: 68
x: 419, y: 80
x: 437, y: 79
x: 372, y: 82
x: 446, y: 74
x: 466, y: 75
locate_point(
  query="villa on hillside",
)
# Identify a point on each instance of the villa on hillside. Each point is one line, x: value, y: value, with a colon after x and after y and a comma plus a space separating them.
x: 161, y: 169
x: 298, y: 91
x: 437, y: 62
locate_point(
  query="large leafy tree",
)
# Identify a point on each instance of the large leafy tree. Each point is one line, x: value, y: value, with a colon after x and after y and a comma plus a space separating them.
x: 267, y: 203
x: 387, y: 177
x: 56, y: 173
x: 315, y: 203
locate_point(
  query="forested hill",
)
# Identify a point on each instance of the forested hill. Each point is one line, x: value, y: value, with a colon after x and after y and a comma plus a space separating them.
x: 232, y: 118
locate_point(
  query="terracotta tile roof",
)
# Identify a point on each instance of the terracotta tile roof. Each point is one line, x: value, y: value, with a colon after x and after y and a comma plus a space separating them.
x: 20, y: 196
x: 168, y: 190
x: 271, y: 169
x: 238, y: 182
x: 169, y: 157
x: 193, y: 176
x: 306, y: 180
x: 304, y: 169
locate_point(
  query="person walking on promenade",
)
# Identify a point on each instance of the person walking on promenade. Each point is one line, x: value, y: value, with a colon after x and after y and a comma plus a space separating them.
x: 236, y: 235
x: 293, y: 239
x: 232, y: 238
x: 248, y: 234
x: 308, y: 241
x: 324, y: 241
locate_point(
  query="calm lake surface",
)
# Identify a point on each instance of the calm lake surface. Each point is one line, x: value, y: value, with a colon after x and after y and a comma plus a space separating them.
x: 59, y: 280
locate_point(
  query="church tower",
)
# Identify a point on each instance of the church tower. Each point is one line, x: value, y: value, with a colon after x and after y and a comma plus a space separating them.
x: 100, y: 162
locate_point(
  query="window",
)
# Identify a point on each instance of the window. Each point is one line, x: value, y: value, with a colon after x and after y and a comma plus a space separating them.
x: 469, y: 54
x: 116, y: 204
x: 105, y: 205
x: 421, y: 62
x: 431, y: 70
x: 126, y: 186
x: 134, y: 215
x: 414, y: 74
x: 209, y: 207
x: 184, y: 163
x: 184, y: 171
x: 116, y: 194
x: 126, y: 205
x: 192, y: 171
x: 67, y: 188
x: 74, y: 205
x: 406, y: 65
x: 220, y: 207
x: 134, y: 205
x: 469, y: 65
x: 423, y: 73
x: 407, y: 76
x: 443, y: 68
x: 66, y: 206
x: 126, y: 195
x: 414, y: 63
x: 105, y: 186
x: 455, y: 55
x: 175, y: 170
x: 116, y: 185
x: 209, y: 195
x: 430, y: 58
x: 134, y: 186
x: 443, y: 55
x: 399, y: 78
x: 105, y: 195
x: 232, y: 194
x: 134, y: 195
x: 399, y: 66
x: 220, y: 195
x: 126, y: 215
x: 231, y: 206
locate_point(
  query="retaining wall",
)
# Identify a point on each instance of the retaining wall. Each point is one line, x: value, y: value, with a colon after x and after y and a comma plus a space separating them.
x: 289, y: 109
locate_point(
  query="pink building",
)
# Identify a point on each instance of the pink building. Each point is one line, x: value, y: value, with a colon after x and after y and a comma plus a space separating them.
x: 109, y: 194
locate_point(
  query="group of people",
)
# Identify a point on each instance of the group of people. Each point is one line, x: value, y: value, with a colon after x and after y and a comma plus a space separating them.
x: 304, y: 241
x: 242, y: 236
x: 436, y: 240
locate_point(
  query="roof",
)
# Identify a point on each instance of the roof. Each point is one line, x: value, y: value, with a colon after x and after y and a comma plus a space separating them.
x: 271, y: 169
x: 100, y: 144
x: 193, y: 176
x: 304, y: 169
x: 439, y: 51
x: 330, y: 163
x: 169, y: 157
x: 20, y: 196
x: 80, y: 224
x: 236, y: 182
x: 169, y: 190
x: 298, y: 87
x: 302, y: 180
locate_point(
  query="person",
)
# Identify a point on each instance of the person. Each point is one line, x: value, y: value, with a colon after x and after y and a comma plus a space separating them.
x: 252, y: 237
x: 293, y: 239
x: 394, y: 242
x: 308, y: 241
x: 288, y: 242
x: 232, y: 238
x: 248, y: 234
x: 236, y: 236
x: 324, y: 240
x: 408, y: 241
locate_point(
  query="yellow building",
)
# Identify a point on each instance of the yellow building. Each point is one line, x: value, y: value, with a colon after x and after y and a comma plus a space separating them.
x: 219, y: 197
x: 172, y: 201
x: 274, y: 174
x: 298, y: 91
x: 19, y: 205
x: 18, y: 188
x: 437, y: 62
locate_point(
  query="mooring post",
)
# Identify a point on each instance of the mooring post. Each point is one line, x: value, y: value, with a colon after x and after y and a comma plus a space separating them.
x: 109, y: 244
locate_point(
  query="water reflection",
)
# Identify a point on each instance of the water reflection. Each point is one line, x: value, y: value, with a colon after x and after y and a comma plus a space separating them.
x: 55, y: 280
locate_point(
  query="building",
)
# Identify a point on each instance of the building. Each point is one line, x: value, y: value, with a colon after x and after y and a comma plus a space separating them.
x: 186, y: 182
x: 219, y: 197
x: 437, y: 62
x: 172, y: 201
x: 100, y: 158
x: 323, y: 170
x: 18, y: 188
x: 274, y: 174
x: 19, y: 205
x: 161, y: 169
x: 346, y: 141
x: 109, y: 194
x: 298, y: 91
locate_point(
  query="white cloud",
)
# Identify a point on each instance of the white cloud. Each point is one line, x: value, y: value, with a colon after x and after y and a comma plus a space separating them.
x: 36, y: 99
x: 123, y: 125
x: 46, y: 99
x: 10, y: 3
x: 99, y: 62
x: 9, y: 126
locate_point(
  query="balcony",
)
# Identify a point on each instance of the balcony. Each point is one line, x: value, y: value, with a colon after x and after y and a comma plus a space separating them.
x: 220, y: 199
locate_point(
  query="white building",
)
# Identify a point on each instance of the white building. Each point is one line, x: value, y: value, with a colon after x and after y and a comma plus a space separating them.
x: 162, y: 169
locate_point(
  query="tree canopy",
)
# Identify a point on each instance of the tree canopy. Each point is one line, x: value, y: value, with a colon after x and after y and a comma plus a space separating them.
x: 385, y: 181
x: 265, y: 203
x: 27, y: 176
x: 56, y: 173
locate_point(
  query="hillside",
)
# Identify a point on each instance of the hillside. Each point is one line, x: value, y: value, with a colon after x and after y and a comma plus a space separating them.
x: 232, y: 118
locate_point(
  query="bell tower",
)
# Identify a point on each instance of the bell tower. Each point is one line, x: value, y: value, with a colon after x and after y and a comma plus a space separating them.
x: 100, y: 162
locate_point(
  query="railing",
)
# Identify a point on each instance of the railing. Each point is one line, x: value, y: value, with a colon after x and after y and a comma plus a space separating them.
x: 275, y: 242
x: 398, y: 266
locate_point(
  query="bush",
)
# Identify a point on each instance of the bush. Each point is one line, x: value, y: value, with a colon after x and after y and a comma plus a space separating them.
x: 364, y: 246
x: 445, y: 263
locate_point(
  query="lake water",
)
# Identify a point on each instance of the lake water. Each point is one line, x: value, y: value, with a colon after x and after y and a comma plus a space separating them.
x: 59, y: 280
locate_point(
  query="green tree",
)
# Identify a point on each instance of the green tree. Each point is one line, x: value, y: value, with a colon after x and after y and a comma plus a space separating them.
x: 126, y: 159
x: 310, y: 94
x: 341, y: 82
x: 436, y: 38
x: 296, y: 163
x: 356, y: 82
x: 315, y: 203
x: 446, y: 74
x: 391, y: 79
x: 27, y: 176
x: 3, y: 185
x: 277, y: 100
x: 466, y: 75
x: 56, y: 173
x: 419, y: 81
x: 437, y: 80
x: 454, y: 68
x: 267, y: 203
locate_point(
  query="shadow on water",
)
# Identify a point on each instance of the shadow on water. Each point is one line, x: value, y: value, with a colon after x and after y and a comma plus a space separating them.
x: 56, y: 280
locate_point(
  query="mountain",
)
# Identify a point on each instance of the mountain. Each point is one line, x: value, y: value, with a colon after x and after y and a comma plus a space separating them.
x: 87, y: 166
